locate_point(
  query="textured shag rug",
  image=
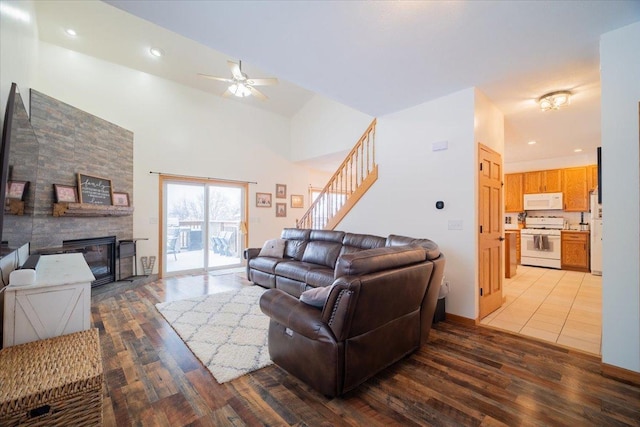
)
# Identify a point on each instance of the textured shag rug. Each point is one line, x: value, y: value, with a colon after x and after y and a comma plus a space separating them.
x: 226, y: 331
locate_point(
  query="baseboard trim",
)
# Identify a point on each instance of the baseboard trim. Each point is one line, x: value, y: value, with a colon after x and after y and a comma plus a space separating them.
x: 621, y: 374
x: 460, y: 319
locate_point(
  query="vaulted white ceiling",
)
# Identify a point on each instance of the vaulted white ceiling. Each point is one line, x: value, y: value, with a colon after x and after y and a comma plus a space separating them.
x: 375, y: 56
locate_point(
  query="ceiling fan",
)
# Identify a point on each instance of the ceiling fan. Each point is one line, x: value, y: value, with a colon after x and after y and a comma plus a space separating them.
x: 240, y: 84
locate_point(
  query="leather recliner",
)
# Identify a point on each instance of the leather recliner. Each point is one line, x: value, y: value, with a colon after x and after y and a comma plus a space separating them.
x: 374, y: 316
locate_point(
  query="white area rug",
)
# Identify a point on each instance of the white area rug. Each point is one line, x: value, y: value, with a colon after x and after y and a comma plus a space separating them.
x: 226, y: 331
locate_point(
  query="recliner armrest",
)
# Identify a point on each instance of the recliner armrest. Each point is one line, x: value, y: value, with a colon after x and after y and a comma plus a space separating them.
x: 251, y: 253
x: 295, y: 315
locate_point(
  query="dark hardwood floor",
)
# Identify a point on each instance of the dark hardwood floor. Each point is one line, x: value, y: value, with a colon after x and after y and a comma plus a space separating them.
x: 465, y: 376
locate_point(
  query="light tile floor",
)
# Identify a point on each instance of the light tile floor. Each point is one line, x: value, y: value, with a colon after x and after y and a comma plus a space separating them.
x: 564, y: 307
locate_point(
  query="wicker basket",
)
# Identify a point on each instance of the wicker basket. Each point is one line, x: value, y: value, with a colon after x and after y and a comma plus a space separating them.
x: 52, y: 382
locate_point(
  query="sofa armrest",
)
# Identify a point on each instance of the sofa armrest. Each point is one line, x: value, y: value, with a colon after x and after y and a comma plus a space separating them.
x: 251, y: 253
x: 295, y: 315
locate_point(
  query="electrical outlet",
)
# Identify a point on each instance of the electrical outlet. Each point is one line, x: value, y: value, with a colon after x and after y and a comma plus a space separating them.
x: 455, y: 224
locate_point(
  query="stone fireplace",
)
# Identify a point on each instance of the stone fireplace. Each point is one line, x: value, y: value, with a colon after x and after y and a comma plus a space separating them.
x: 72, y: 141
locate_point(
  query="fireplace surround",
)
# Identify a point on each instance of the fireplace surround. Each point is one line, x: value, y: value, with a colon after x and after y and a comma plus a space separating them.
x: 100, y: 255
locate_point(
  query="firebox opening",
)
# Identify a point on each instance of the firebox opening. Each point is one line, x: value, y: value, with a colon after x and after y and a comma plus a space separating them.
x: 100, y: 255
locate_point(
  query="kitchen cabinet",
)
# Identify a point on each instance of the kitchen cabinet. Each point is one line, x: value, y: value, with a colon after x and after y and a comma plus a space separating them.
x: 513, y: 183
x: 575, y: 250
x: 546, y: 181
x: 592, y: 177
x: 575, y: 189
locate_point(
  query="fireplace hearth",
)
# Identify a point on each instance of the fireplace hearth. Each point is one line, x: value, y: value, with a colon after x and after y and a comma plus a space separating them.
x: 100, y: 254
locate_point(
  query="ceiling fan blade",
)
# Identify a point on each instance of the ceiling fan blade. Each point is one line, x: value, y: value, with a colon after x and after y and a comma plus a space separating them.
x: 263, y: 82
x: 235, y: 70
x: 220, y: 79
x: 255, y: 92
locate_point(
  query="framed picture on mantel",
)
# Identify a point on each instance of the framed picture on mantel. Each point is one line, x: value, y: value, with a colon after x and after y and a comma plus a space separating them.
x: 94, y: 190
x: 65, y: 193
x: 120, y: 199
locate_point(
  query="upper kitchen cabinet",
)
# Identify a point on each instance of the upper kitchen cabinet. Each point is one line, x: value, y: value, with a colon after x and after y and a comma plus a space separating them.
x: 592, y: 177
x: 513, y: 184
x: 547, y: 181
x: 575, y: 189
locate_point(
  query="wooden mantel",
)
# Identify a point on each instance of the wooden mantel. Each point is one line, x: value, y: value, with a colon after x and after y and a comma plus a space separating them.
x: 88, y: 209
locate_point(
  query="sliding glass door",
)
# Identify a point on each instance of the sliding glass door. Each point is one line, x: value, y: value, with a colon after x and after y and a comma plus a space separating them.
x: 202, y: 225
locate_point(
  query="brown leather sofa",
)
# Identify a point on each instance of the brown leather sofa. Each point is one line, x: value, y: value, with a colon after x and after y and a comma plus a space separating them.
x: 380, y: 306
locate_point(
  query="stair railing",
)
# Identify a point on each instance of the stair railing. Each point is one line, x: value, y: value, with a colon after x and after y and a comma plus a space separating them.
x: 347, y: 185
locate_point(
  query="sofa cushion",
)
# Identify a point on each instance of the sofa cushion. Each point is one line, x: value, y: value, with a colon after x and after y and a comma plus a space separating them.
x: 273, y: 248
x: 327, y: 235
x: 296, y: 242
x: 316, y: 297
x: 266, y: 264
x: 363, y: 241
x: 429, y: 246
x: 296, y: 270
x: 320, y: 277
x: 378, y: 259
x: 322, y: 253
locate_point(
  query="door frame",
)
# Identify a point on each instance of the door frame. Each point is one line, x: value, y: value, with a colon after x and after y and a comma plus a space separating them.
x: 206, y: 181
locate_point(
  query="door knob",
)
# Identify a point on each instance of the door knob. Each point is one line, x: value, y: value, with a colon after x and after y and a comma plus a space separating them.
x: 501, y: 238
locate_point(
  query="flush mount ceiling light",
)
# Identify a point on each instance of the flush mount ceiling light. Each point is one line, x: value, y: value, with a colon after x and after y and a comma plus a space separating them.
x: 156, y: 51
x: 531, y: 142
x: 71, y: 32
x: 554, y: 100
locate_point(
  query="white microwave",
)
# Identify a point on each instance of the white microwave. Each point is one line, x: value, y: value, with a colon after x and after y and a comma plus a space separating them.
x: 542, y: 201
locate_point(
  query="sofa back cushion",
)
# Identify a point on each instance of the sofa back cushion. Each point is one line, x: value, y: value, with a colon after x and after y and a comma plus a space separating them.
x: 429, y: 246
x: 323, y: 247
x: 378, y: 259
x: 296, y: 242
x: 322, y: 253
x: 356, y: 242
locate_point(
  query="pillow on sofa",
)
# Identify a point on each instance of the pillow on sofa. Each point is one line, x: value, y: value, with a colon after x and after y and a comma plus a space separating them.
x: 316, y: 296
x: 273, y: 248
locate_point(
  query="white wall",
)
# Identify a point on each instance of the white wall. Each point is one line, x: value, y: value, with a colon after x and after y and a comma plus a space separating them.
x: 178, y: 130
x: 18, y: 49
x: 620, y: 76
x: 325, y: 127
x: 412, y: 178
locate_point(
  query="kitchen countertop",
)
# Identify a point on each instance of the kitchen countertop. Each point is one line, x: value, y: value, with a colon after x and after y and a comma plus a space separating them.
x: 576, y: 231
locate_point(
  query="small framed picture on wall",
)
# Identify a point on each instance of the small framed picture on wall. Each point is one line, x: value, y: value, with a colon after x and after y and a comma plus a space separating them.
x: 281, y: 191
x: 263, y: 200
x: 281, y: 210
x: 297, y: 201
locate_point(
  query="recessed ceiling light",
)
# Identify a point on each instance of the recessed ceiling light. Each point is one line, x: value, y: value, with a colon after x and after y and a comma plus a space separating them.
x: 156, y: 51
x: 531, y: 142
x: 578, y: 150
x: 71, y: 32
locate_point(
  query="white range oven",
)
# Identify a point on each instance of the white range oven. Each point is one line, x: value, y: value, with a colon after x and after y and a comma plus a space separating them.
x: 540, y: 241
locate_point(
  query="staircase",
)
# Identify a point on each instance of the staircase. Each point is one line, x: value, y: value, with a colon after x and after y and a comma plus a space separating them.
x: 354, y: 177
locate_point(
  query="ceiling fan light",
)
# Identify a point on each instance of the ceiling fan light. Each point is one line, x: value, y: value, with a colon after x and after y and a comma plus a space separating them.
x: 240, y: 90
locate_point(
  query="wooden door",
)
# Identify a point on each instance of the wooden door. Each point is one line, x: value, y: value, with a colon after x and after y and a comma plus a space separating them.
x: 490, y: 230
